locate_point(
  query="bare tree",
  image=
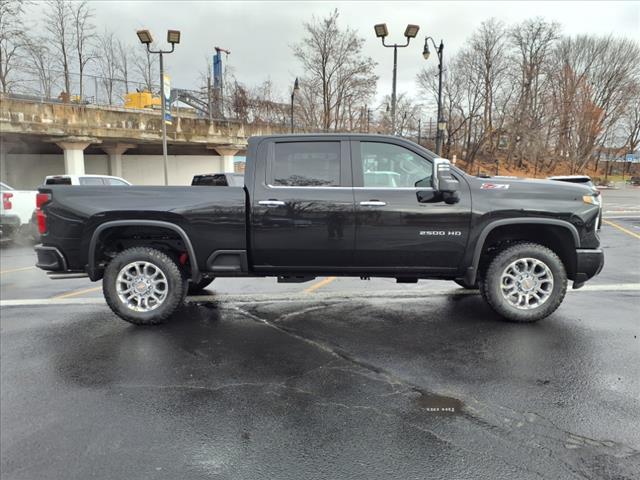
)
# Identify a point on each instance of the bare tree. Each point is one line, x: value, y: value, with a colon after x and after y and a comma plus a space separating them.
x: 490, y: 49
x: 631, y: 120
x: 59, y: 24
x: 407, y: 114
x: 533, y: 42
x: 83, y: 35
x: 123, y: 51
x: 41, y: 61
x: 12, y: 39
x: 265, y: 106
x: 336, y: 69
x: 108, y: 62
x: 146, y: 66
x: 594, y: 80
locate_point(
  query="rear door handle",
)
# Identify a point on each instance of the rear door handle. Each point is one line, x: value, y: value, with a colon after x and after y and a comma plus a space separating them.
x: 271, y: 203
x: 373, y: 203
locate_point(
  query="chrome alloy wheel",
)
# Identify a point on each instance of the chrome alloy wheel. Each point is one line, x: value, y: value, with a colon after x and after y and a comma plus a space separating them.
x: 526, y: 283
x: 142, y: 286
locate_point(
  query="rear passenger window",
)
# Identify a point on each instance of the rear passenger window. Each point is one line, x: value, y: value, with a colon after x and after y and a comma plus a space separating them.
x: 91, y: 181
x: 306, y: 164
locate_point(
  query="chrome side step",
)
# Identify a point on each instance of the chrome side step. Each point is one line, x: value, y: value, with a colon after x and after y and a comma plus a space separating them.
x: 62, y: 276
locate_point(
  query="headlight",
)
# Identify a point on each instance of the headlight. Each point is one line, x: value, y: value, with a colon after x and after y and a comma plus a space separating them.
x: 591, y: 199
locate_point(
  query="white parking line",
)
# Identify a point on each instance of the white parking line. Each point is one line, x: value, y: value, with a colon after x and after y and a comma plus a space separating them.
x: 298, y: 297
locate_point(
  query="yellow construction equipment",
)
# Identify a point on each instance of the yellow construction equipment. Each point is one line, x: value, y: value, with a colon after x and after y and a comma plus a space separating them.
x: 141, y: 100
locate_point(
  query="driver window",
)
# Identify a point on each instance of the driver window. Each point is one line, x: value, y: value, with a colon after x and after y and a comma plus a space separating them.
x: 390, y: 166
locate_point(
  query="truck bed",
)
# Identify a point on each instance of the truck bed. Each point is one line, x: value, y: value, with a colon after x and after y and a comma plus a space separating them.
x: 213, y: 218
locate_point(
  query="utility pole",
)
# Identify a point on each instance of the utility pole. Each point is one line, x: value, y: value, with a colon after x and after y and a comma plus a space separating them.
x: 419, y: 129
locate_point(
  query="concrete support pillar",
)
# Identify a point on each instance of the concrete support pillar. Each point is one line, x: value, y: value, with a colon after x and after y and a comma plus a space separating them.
x: 5, y: 147
x: 228, y: 157
x: 115, y: 157
x: 73, y: 148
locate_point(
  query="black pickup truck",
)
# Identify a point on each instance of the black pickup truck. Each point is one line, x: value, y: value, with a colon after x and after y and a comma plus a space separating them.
x: 345, y: 205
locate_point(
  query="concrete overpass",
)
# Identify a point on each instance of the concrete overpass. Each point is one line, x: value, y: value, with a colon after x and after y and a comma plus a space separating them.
x: 40, y: 138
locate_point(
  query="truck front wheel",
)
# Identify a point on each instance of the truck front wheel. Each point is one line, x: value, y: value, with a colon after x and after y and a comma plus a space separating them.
x: 143, y: 286
x: 525, y: 282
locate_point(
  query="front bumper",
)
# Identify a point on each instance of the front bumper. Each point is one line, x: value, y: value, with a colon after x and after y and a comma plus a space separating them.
x: 589, y: 263
x: 50, y: 258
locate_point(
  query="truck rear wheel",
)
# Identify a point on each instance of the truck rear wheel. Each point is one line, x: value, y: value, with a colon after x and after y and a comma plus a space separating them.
x: 525, y: 282
x: 143, y: 286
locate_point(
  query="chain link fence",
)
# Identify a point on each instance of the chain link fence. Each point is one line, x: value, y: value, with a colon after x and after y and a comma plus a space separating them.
x: 49, y: 85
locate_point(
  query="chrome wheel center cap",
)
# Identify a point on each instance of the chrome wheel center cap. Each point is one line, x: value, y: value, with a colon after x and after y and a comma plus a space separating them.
x: 528, y: 283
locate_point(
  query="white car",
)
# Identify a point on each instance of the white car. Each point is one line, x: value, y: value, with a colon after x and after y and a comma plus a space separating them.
x: 85, y: 180
x: 16, y: 212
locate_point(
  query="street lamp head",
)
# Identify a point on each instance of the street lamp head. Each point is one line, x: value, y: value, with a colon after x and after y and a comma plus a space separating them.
x: 173, y: 36
x: 425, y: 51
x: 296, y: 85
x: 381, y: 30
x: 145, y: 37
x: 411, y: 31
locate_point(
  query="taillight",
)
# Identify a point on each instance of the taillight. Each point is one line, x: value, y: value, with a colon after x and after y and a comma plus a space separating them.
x: 6, y: 200
x: 41, y: 200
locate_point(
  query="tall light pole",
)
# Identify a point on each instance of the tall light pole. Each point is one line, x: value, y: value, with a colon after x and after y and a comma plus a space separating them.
x: 173, y: 37
x: 296, y: 88
x: 381, y: 32
x: 442, y: 124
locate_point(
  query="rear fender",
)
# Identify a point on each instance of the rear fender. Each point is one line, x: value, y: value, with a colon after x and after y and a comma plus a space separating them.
x: 92, y: 269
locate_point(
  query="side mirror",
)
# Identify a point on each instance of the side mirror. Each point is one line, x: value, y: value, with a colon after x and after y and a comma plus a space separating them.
x: 443, y: 181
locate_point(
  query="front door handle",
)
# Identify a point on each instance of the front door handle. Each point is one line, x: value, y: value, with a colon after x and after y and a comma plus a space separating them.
x: 373, y: 203
x: 271, y: 203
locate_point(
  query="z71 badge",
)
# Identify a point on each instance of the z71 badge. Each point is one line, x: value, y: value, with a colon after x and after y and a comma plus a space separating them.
x: 494, y: 186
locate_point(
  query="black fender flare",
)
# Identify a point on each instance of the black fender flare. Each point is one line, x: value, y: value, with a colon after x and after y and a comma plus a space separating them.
x: 195, y: 271
x: 472, y: 271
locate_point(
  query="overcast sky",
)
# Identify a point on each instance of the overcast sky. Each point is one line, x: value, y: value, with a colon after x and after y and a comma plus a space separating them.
x: 259, y: 34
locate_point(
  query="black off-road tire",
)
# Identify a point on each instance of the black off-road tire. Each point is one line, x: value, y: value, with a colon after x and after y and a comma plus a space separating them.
x: 490, y: 282
x: 177, y: 285
x: 195, y: 288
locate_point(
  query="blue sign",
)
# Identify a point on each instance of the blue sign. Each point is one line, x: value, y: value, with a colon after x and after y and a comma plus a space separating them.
x: 629, y: 157
x: 217, y: 70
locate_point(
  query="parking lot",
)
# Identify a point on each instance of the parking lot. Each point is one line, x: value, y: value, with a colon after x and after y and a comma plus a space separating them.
x: 336, y: 378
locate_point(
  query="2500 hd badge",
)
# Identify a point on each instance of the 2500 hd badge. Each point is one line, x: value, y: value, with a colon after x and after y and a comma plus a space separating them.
x: 442, y: 233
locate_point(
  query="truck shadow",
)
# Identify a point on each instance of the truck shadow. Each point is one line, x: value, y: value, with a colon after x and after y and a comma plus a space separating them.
x: 204, y: 343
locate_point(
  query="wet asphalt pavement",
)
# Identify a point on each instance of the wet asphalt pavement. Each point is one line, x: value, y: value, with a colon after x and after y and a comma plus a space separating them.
x: 346, y: 380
